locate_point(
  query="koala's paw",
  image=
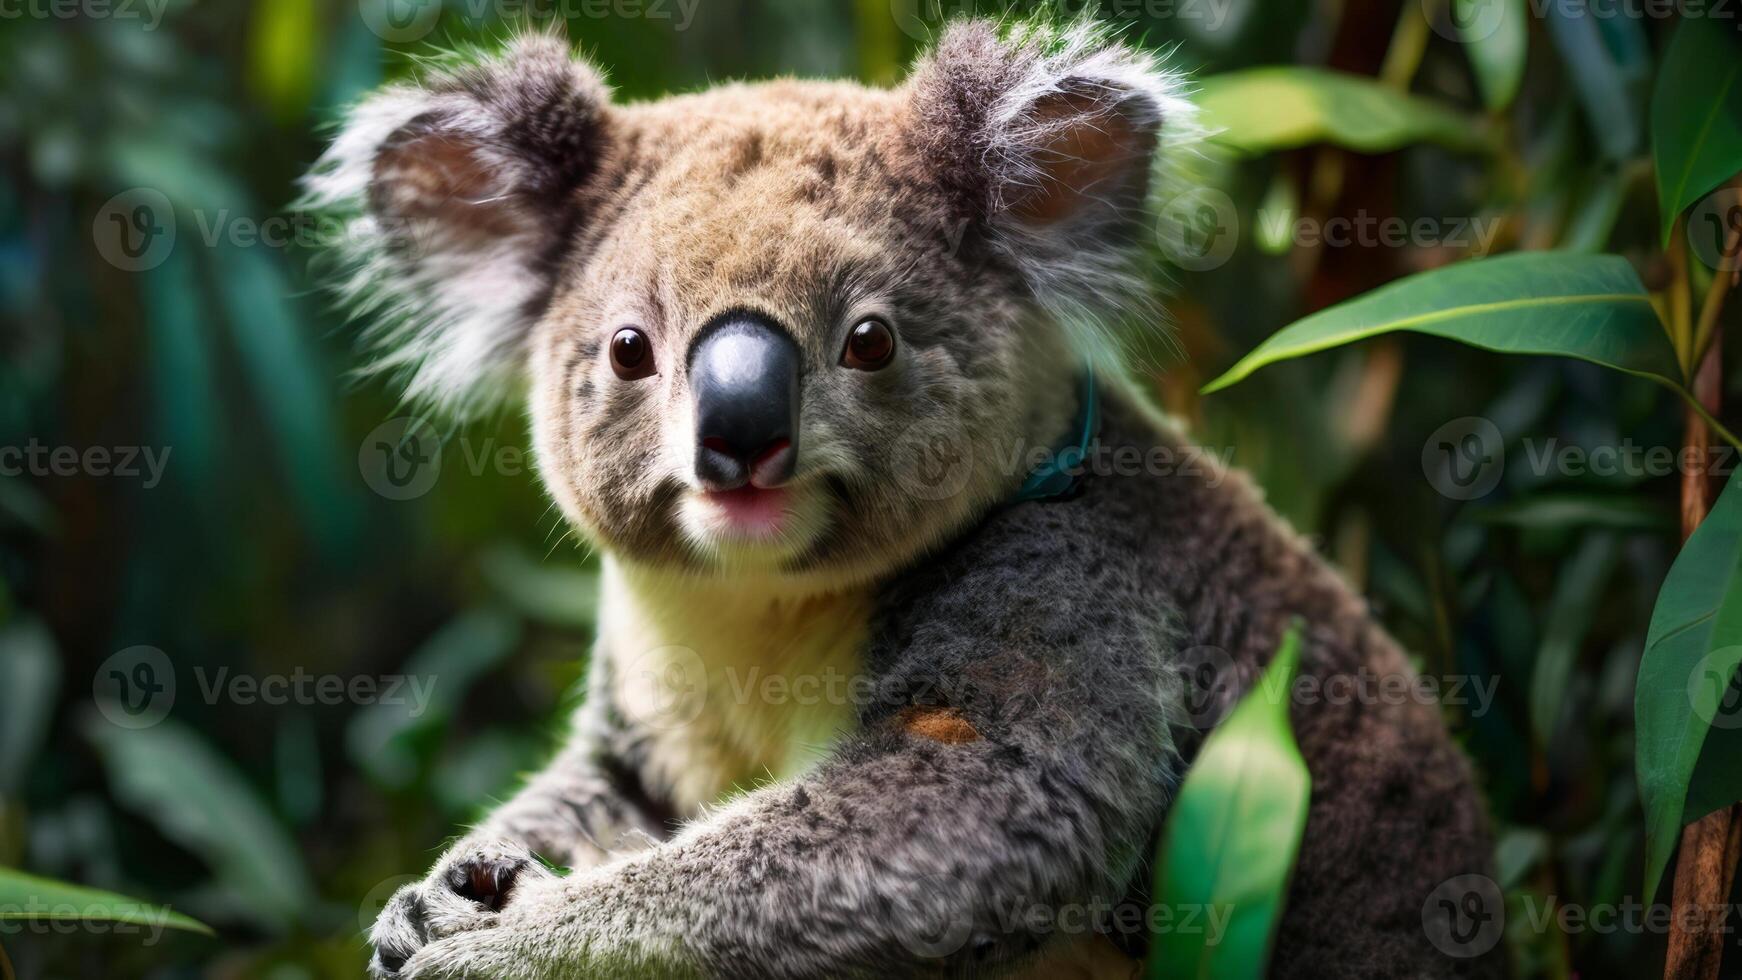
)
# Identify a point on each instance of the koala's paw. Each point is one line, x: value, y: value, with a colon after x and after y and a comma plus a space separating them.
x: 465, y: 891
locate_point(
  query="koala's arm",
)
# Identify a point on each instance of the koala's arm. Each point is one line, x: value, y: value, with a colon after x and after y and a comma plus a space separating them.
x: 1022, y: 758
x: 588, y: 803
x: 580, y: 810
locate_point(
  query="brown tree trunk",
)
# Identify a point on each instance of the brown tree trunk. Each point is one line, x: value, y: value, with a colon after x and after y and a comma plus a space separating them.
x: 1706, y: 863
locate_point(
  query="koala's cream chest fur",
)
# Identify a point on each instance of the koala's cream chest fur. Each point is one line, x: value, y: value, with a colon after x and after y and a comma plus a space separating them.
x: 735, y: 683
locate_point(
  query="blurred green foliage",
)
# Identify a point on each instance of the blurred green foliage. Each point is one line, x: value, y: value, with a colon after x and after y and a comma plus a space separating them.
x: 264, y: 551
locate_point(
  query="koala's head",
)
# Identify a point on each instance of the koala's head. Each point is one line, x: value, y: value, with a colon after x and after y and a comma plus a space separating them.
x: 802, y: 329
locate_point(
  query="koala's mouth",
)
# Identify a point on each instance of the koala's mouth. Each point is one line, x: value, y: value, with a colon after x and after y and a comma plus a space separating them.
x: 749, y: 511
x: 757, y: 525
x: 823, y: 522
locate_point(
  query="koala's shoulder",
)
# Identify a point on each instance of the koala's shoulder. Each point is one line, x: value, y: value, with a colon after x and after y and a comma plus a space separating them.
x: 1049, y: 571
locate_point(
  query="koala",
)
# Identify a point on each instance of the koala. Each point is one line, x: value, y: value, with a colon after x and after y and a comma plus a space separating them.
x: 865, y: 692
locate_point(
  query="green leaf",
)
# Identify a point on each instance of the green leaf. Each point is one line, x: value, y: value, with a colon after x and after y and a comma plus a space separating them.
x: 1276, y: 216
x: 1497, y: 43
x: 1519, y: 850
x: 25, y: 896
x: 1609, y: 61
x: 284, y: 373
x: 354, y: 67
x: 1696, y: 115
x: 1259, y: 110
x: 29, y: 679
x: 23, y: 505
x: 1577, y: 593
x: 1594, y: 214
x: 199, y: 800
x: 1717, y: 779
x: 1575, y: 509
x: 1692, y: 650
x: 1230, y: 842
x: 284, y: 53
x: 1589, y: 307
x: 179, y: 362
x: 382, y: 737
x: 548, y: 591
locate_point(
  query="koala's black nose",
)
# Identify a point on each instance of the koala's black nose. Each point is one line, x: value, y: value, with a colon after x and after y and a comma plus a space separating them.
x: 744, y: 378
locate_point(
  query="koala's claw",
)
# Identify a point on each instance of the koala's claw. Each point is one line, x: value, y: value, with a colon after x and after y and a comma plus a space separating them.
x: 464, y: 892
x: 484, y: 880
x: 385, y: 964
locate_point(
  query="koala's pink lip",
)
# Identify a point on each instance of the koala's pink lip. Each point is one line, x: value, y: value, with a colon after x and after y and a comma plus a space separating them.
x: 758, y: 511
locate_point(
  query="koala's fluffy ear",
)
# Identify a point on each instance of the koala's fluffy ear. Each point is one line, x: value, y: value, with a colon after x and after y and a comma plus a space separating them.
x: 1048, y: 133
x: 458, y: 194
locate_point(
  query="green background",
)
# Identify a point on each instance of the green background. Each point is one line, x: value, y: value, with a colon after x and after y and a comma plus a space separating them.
x: 264, y: 550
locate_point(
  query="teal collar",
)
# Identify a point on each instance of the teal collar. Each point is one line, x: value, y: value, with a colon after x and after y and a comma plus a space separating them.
x: 1058, y: 477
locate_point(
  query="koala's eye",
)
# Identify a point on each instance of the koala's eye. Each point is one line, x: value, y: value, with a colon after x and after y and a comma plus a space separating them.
x: 631, y: 354
x: 870, y: 346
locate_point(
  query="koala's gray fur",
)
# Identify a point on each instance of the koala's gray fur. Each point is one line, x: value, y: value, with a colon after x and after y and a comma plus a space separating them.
x: 1019, y: 719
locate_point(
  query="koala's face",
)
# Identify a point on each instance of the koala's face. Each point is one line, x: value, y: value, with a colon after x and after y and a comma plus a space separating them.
x: 748, y: 365
x: 796, y: 329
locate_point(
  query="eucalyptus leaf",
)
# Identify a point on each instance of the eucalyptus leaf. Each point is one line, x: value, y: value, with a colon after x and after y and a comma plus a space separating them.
x: 1275, y: 226
x: 382, y: 737
x: 281, y: 43
x: 29, y: 681
x: 23, y: 505
x: 1609, y: 62
x: 1717, y: 779
x: 197, y: 799
x: 1519, y: 850
x: 1589, y: 307
x: 1592, y: 222
x: 354, y: 65
x: 1260, y: 110
x: 28, y: 897
x: 1577, y: 594
x: 1577, y: 509
x: 554, y: 592
x: 1692, y: 649
x: 285, y: 374
x: 1230, y: 843
x: 1696, y: 115
x: 187, y: 409
x: 1496, y: 35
